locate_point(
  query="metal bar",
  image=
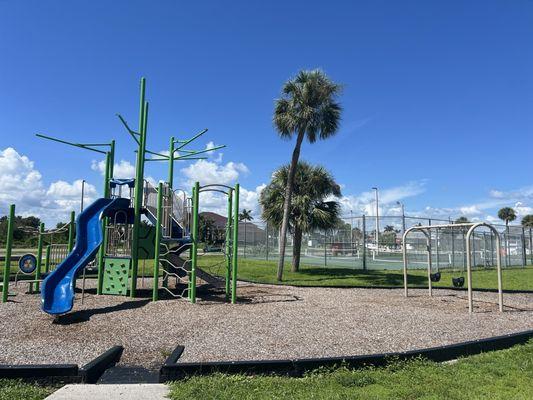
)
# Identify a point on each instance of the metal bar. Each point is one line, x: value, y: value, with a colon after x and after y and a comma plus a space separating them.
x: 186, y: 142
x: 235, y: 244
x: 39, y: 256
x: 364, y: 242
x: 524, y: 255
x: 195, y: 238
x: 228, y: 245
x: 47, y: 259
x: 171, y: 164
x: 71, y: 231
x: 163, y: 156
x: 130, y: 131
x: 101, y: 252
x: 80, y: 145
x: 469, y: 265
x: 139, y: 181
x: 9, y: 246
x: 159, y: 217
x: 404, y: 254
x: 194, y: 153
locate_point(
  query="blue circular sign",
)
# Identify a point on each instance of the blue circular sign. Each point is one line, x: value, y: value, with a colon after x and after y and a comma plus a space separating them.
x: 27, y: 263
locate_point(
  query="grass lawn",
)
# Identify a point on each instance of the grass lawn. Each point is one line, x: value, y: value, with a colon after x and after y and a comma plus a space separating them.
x: 18, y: 390
x: 505, y: 374
x: 265, y: 272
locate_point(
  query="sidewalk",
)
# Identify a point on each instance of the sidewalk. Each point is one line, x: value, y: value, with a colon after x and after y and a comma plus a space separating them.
x: 141, y: 391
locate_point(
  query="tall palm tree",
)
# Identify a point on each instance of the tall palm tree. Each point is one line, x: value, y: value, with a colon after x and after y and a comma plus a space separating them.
x: 527, y: 221
x: 307, y: 108
x: 311, y: 208
x: 507, y: 214
x: 246, y: 216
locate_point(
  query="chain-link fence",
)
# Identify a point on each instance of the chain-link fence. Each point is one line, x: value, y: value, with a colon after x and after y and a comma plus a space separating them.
x: 358, y: 244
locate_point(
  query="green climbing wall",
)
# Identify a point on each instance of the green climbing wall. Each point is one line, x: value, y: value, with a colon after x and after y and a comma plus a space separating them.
x: 116, y: 274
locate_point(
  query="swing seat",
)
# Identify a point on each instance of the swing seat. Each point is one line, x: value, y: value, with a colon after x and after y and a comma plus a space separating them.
x: 458, y: 282
x: 435, y: 277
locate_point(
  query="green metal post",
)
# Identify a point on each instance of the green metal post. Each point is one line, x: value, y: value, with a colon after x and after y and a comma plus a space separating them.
x: 101, y: 253
x: 71, y: 231
x: 157, y: 240
x: 171, y: 163
x: 194, y: 236
x: 139, y: 184
x: 228, y: 243
x: 9, y: 245
x: 235, y: 244
x: 39, y: 255
x: 47, y: 259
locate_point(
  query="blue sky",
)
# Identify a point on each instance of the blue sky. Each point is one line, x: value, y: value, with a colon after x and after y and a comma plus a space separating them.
x: 438, y: 97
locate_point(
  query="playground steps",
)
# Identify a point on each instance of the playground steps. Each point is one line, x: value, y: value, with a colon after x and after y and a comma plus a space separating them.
x: 180, y: 265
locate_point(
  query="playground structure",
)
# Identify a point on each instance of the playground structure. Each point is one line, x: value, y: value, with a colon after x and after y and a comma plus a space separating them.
x: 109, y: 232
x: 466, y: 229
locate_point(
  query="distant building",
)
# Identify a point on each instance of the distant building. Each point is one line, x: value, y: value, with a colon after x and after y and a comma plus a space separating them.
x: 254, y: 234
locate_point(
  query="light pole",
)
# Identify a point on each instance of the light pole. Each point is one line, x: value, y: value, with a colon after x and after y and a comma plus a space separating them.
x: 377, y: 220
x: 403, y: 215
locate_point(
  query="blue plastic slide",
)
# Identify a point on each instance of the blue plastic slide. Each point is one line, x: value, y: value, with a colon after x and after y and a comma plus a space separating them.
x: 57, y: 294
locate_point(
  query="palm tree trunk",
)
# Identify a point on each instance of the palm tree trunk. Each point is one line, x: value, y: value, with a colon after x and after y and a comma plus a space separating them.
x: 287, y: 203
x: 296, y: 249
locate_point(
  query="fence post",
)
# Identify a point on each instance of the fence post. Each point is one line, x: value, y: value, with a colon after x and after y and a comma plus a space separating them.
x: 266, y: 230
x: 524, y: 255
x: 531, y: 244
x: 325, y: 248
x: 39, y: 256
x: 364, y: 242
x: 9, y: 245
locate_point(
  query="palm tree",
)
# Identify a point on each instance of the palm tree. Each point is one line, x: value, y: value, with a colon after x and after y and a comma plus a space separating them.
x: 527, y: 221
x: 507, y: 214
x: 310, y: 209
x: 246, y: 216
x: 307, y: 108
x: 388, y: 228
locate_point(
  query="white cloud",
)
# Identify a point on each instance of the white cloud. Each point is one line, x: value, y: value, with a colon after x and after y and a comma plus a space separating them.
x: 21, y: 184
x: 365, y: 203
x: 122, y: 169
x: 209, y: 172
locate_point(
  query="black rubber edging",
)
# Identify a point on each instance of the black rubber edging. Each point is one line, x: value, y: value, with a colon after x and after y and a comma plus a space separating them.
x: 39, y: 371
x: 297, y: 367
x: 93, y: 370
x: 169, y: 364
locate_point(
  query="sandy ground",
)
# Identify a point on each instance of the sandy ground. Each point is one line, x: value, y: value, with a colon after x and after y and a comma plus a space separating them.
x: 269, y: 322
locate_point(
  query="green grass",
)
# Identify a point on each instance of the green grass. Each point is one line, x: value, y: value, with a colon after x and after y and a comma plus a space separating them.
x: 261, y: 271
x: 506, y: 374
x: 11, y: 389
